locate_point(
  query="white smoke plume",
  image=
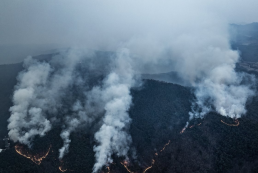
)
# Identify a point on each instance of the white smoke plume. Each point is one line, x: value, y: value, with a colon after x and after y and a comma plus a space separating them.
x: 209, y: 67
x: 228, y: 98
x: 38, y: 96
x: 28, y: 113
x: 112, y: 136
x: 78, y: 118
x: 53, y: 86
x: 188, y: 37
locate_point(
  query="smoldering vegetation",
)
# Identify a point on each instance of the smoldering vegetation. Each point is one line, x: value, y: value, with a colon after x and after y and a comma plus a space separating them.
x: 159, y: 111
x: 212, y: 146
x: 76, y: 89
x: 73, y: 90
x: 91, y: 90
x: 85, y: 90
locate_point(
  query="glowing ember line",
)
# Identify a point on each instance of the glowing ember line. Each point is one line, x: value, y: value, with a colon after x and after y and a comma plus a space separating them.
x: 194, y: 125
x: 165, y: 146
x: 61, y: 169
x: 156, y: 154
x: 35, y: 158
x: 236, y: 121
x: 125, y: 165
x: 152, y: 163
x: 183, y: 130
x: 108, y: 168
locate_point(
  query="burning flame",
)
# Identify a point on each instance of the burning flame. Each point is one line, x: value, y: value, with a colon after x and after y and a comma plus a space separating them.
x: 35, y: 158
x: 183, y: 130
x: 152, y: 163
x: 108, y: 168
x: 61, y: 169
x: 164, y: 147
x: 236, y: 121
x: 125, y: 164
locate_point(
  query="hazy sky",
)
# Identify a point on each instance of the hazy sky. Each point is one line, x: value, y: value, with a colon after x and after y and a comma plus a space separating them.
x: 33, y: 26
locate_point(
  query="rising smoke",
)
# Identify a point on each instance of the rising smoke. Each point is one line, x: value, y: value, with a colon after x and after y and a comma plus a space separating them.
x: 68, y: 86
x: 39, y: 97
x: 28, y: 113
x: 115, y: 93
x: 209, y: 67
x: 80, y: 88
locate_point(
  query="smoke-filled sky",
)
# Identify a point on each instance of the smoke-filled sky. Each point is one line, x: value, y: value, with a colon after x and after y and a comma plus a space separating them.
x: 31, y: 27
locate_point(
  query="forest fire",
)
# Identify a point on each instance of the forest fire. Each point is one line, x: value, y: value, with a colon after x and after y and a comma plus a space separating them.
x: 108, y: 168
x: 152, y: 163
x: 183, y: 130
x: 236, y: 121
x: 125, y: 164
x: 194, y: 125
x: 165, y: 146
x: 35, y: 158
x: 62, y: 169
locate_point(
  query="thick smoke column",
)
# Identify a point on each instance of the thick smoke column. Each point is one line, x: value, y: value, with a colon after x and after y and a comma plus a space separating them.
x: 228, y: 98
x: 209, y: 67
x: 190, y: 38
x: 39, y: 96
x: 28, y: 113
x: 115, y: 93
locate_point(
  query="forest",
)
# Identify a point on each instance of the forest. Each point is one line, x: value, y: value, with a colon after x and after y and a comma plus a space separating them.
x: 160, y: 143
x: 159, y: 113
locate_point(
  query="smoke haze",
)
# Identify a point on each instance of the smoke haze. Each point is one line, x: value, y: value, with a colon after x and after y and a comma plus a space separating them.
x: 190, y: 38
x: 32, y: 27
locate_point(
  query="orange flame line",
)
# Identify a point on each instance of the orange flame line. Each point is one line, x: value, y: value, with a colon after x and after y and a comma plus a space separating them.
x: 183, y: 130
x: 124, y: 164
x: 165, y: 146
x: 36, y: 159
x: 236, y: 121
x: 61, y: 169
x: 152, y: 163
x: 108, y: 168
